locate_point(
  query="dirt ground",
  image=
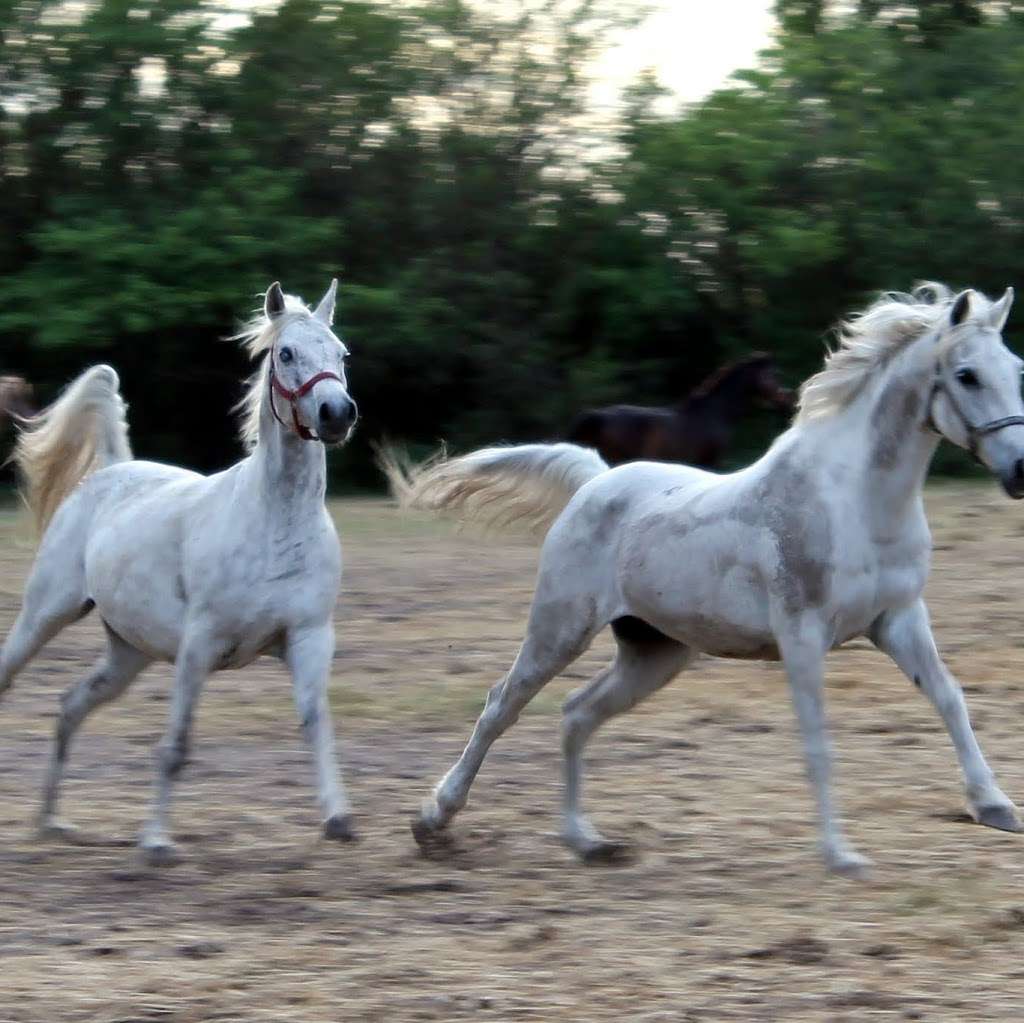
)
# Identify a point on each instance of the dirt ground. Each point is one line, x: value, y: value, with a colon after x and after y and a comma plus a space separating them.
x: 724, y: 914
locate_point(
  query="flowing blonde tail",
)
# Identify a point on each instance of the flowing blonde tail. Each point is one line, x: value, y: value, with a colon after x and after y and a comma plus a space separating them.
x: 82, y: 431
x: 527, y: 485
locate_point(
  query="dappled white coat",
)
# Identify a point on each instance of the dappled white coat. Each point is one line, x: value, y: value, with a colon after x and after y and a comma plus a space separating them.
x: 821, y: 540
x: 207, y: 572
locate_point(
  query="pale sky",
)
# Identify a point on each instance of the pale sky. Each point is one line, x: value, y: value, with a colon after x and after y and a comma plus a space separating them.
x: 692, y: 44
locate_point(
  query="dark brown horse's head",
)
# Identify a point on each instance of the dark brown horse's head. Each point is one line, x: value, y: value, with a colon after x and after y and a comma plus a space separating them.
x: 761, y: 374
x: 16, y: 398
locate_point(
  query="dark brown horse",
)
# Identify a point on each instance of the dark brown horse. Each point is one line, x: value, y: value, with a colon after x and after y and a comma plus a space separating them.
x: 697, y: 430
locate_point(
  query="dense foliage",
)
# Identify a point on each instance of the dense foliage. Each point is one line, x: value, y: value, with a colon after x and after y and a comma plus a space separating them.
x: 505, y: 259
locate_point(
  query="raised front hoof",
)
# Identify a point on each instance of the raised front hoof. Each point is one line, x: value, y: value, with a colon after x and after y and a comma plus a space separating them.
x: 604, y: 853
x: 848, y: 864
x: 1002, y: 817
x: 340, y: 828
x: 160, y: 853
x: 53, y: 829
x: 434, y: 843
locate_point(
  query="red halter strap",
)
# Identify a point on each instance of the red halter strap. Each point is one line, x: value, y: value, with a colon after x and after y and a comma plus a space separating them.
x: 292, y: 396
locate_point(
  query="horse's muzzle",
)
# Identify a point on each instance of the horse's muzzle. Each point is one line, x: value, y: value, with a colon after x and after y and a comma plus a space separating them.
x: 336, y: 420
x: 1012, y: 479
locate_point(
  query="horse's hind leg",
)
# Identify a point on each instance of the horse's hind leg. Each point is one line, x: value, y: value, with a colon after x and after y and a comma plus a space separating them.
x: 558, y: 632
x: 107, y: 681
x: 646, y: 661
x: 54, y: 598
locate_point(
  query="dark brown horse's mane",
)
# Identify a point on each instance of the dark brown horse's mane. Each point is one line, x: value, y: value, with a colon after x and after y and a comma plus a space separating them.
x: 713, y: 382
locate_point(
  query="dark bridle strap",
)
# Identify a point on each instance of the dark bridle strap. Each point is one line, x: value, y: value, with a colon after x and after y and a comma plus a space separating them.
x: 998, y: 424
x: 973, y: 432
x: 292, y: 396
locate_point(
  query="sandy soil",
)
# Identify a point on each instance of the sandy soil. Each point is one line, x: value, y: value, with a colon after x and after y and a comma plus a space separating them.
x: 725, y: 913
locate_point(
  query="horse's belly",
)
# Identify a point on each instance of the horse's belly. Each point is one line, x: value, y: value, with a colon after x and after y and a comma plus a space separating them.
x: 722, y: 613
x: 140, y: 599
x: 147, y: 613
x: 736, y: 643
x: 157, y: 639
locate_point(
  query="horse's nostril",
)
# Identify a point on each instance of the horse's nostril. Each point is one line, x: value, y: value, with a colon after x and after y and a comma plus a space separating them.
x: 325, y: 413
x: 1018, y: 469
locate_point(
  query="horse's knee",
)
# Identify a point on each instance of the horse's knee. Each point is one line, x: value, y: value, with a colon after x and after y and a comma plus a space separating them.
x: 574, y: 728
x: 171, y: 757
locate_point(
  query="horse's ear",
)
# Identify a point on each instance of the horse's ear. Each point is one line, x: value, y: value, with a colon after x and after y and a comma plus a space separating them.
x: 961, y: 308
x: 273, y: 304
x: 1000, y: 310
x: 325, y: 310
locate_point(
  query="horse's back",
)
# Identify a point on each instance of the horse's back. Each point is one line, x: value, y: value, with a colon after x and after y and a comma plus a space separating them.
x: 102, y: 493
x: 620, y: 433
x: 640, y: 482
x: 613, y: 501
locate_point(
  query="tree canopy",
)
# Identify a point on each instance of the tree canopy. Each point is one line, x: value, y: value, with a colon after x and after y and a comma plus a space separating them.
x: 505, y: 260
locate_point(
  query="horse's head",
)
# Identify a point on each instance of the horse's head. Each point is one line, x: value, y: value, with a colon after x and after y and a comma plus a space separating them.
x: 16, y: 397
x: 307, y: 371
x: 765, y: 385
x: 976, y: 402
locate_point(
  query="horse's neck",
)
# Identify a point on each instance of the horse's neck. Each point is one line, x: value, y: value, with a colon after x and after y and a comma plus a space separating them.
x: 289, y: 473
x: 725, y: 398
x: 880, y: 440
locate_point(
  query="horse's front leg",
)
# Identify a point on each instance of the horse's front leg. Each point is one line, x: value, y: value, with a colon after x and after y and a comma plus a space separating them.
x: 906, y: 636
x: 195, y: 661
x: 804, y: 658
x: 308, y: 654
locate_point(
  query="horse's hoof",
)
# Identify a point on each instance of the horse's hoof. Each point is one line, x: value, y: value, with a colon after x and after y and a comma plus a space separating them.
x: 602, y: 852
x: 53, y: 828
x: 161, y: 854
x: 1002, y: 817
x: 434, y: 843
x: 849, y: 864
x: 340, y: 828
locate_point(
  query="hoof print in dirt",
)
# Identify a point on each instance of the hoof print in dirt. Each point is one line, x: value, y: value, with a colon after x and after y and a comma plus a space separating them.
x: 201, y: 950
x: 608, y: 854
x: 161, y: 855
x: 340, y: 829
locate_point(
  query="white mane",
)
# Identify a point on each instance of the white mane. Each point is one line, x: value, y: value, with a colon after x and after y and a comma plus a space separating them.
x: 258, y: 336
x: 868, y: 340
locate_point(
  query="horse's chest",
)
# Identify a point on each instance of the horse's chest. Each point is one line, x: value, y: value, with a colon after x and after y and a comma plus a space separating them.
x: 252, y: 602
x: 876, y: 584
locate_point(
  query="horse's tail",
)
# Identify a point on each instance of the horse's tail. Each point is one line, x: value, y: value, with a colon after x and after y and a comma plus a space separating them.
x: 84, y: 430
x: 525, y: 485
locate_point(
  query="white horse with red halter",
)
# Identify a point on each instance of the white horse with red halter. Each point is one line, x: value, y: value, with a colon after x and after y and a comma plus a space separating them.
x: 821, y: 540
x: 207, y: 572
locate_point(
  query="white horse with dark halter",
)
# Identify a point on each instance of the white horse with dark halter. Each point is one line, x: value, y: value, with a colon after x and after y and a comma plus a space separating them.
x: 821, y: 540
x: 209, y: 572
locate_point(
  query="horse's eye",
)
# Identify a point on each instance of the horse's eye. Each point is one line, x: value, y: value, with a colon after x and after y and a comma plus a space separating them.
x: 285, y: 355
x: 968, y: 378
